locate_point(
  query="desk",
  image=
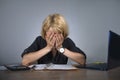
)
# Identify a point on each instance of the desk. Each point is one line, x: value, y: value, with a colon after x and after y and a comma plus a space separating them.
x: 80, y: 74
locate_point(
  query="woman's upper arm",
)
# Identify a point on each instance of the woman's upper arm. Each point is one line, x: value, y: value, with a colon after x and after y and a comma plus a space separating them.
x: 72, y: 47
x: 33, y: 47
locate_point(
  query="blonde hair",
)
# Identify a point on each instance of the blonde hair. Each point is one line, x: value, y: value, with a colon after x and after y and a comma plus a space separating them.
x: 57, y: 23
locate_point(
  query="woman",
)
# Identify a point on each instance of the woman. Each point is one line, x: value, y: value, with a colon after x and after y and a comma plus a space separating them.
x: 53, y: 46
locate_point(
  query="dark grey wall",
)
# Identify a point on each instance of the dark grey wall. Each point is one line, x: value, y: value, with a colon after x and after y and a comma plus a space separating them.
x: 89, y: 22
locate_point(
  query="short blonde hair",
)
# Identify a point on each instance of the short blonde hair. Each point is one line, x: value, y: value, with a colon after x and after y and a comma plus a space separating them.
x: 57, y: 22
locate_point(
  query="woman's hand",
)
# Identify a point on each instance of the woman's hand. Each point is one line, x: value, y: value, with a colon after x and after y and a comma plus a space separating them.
x: 54, y: 40
x: 59, y: 41
x: 50, y: 39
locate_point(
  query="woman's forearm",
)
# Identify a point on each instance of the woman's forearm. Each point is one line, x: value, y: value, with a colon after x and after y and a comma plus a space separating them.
x: 34, y: 56
x: 77, y: 57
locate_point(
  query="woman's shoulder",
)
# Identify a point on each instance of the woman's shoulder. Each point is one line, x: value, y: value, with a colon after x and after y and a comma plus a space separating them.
x: 40, y: 38
x: 68, y: 39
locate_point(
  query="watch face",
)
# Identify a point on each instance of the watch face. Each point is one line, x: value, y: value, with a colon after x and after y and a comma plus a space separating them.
x: 62, y: 50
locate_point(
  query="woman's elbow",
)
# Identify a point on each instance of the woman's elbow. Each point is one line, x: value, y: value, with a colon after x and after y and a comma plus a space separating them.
x: 25, y: 62
x: 82, y: 61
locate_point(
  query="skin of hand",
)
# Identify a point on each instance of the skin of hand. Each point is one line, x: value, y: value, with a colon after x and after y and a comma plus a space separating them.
x: 59, y: 41
x: 54, y: 40
x: 50, y: 39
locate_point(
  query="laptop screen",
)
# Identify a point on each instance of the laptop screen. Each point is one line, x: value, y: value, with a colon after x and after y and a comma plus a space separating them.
x: 113, y: 54
x: 113, y: 50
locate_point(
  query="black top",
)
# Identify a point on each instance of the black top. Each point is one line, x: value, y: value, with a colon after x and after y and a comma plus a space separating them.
x: 59, y: 58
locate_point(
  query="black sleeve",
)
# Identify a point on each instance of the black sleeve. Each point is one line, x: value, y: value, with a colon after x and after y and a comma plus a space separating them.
x: 69, y: 44
x: 33, y: 47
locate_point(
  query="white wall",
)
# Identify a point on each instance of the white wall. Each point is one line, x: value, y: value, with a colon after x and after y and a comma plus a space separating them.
x: 89, y: 22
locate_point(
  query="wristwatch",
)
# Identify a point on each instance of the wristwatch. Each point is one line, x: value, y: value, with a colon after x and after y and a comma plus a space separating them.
x: 62, y: 50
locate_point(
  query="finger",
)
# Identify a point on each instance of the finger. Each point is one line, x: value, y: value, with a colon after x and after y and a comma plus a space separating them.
x: 59, y: 41
x: 51, y: 36
x: 60, y: 38
x: 57, y: 38
x: 53, y: 41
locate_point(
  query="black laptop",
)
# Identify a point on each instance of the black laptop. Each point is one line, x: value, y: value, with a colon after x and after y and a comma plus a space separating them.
x: 113, y: 58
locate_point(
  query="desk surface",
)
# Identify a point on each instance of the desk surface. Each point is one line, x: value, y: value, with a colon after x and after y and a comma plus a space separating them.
x: 80, y: 74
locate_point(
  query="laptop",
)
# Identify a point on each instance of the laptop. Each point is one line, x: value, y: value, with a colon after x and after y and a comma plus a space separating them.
x: 113, y: 58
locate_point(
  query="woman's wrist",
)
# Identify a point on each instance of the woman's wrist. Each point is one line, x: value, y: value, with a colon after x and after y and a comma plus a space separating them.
x: 48, y: 49
x: 59, y: 47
